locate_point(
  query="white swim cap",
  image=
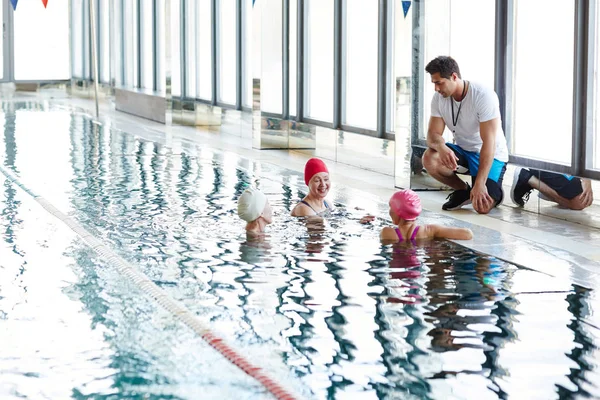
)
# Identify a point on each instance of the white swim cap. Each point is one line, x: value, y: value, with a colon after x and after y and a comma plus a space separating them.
x: 251, y: 204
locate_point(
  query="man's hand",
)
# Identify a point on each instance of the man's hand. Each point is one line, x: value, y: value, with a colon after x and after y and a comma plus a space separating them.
x: 584, y: 199
x: 366, y: 219
x: 448, y: 158
x: 481, y: 200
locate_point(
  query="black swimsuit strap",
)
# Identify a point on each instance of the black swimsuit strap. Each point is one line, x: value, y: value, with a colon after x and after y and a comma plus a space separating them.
x: 326, y: 205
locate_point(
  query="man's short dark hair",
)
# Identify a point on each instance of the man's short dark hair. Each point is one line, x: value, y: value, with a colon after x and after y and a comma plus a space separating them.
x: 444, y: 65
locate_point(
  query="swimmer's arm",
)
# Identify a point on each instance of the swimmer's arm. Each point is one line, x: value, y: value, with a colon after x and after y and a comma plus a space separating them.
x: 388, y: 235
x: 446, y: 232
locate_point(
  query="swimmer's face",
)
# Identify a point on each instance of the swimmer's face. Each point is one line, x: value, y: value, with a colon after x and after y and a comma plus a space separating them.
x: 444, y: 86
x: 267, y: 214
x: 319, y: 184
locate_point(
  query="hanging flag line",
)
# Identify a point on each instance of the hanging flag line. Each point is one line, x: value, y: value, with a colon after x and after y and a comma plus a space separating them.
x: 14, y: 3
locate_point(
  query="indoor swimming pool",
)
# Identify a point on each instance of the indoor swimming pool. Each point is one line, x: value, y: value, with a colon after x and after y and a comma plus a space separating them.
x: 324, y: 309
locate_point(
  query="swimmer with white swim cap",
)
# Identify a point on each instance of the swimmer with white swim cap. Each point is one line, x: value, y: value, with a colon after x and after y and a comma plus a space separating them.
x: 254, y: 208
x: 405, y: 208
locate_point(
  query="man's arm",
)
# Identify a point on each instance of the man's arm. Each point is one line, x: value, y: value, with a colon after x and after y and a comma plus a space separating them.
x: 435, y: 138
x: 436, y: 142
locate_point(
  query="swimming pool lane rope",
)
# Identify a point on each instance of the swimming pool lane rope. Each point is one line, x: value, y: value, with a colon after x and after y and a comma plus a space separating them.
x: 150, y: 288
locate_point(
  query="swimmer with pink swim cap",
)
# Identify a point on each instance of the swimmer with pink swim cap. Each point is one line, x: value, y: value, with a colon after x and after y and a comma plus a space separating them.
x: 405, y: 208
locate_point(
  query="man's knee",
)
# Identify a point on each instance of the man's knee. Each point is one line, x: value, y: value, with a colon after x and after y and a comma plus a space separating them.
x: 430, y: 159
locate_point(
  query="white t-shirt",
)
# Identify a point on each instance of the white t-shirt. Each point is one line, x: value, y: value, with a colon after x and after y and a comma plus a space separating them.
x: 479, y: 105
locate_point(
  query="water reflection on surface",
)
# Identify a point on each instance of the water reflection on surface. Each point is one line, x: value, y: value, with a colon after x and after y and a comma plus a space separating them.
x: 322, y: 306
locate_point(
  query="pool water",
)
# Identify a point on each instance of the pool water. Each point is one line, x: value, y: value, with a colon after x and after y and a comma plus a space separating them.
x: 326, y: 309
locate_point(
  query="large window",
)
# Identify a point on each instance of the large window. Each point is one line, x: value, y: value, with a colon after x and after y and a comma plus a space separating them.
x: 293, y: 92
x: 130, y: 31
x: 271, y: 53
x: 147, y: 44
x: 45, y: 54
x: 451, y: 29
x: 227, y: 51
x: 360, y: 64
x: 176, y: 48
x: 319, y: 60
x: 204, y: 60
x: 104, y: 40
x: 543, y: 80
x: 77, y: 25
x: 595, y: 142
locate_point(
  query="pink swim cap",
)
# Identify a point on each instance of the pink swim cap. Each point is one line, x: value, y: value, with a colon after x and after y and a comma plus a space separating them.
x: 406, y: 204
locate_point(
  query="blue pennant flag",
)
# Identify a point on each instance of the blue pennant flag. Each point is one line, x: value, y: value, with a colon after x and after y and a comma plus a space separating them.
x: 253, y: 1
x: 405, y: 7
x: 14, y: 4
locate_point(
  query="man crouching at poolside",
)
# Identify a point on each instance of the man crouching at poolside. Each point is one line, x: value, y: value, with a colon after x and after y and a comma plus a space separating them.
x: 472, y: 112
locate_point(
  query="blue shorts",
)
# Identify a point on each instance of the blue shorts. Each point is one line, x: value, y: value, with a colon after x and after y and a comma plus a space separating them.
x: 470, y: 160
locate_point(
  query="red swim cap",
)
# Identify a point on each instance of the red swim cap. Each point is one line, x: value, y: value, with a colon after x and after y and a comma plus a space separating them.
x: 406, y: 204
x: 312, y: 167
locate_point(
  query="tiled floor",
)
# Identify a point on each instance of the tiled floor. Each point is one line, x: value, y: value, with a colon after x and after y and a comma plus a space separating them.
x: 559, y: 242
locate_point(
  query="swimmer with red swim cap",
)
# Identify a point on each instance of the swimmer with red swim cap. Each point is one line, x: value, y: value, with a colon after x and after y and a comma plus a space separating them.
x: 405, y: 208
x: 316, y: 177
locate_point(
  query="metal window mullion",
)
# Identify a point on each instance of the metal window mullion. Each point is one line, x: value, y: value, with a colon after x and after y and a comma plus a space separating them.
x: 155, y: 44
x: 382, y: 67
x: 285, y: 62
x: 300, y: 61
x: 338, y: 44
x: 11, y: 42
x: 83, y: 52
x: 139, y: 43
x: 198, y: 70
x: 123, y: 58
x: 500, y: 56
x: 238, y: 59
x: 182, y: 47
x: 591, y: 99
x: 578, y: 150
x: 215, y: 53
x: 418, y: 70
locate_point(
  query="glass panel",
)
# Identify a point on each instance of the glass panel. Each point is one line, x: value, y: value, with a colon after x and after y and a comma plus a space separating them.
x: 175, y: 48
x: 117, y: 44
x: 319, y: 60
x: 77, y: 38
x: 360, y: 64
x: 86, y: 72
x: 128, y: 31
x: 293, y: 87
x: 271, y: 64
x: 190, y: 49
x: 534, y: 99
x: 204, y: 49
x: 227, y: 51
x: 453, y: 20
x: 104, y: 41
x: 43, y: 55
x: 146, y: 41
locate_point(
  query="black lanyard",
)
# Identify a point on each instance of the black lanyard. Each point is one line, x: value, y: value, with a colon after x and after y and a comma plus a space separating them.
x: 462, y: 98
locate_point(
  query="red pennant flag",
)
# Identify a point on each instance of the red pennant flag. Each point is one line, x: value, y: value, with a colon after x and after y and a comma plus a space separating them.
x: 45, y: 3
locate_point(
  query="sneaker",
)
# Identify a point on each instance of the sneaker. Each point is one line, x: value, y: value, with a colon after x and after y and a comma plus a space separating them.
x: 520, y: 190
x: 457, y: 199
